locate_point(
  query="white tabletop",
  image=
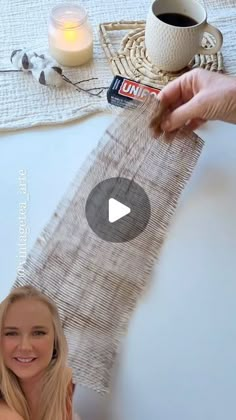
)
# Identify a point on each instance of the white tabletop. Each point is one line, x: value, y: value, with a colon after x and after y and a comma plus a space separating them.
x: 179, y: 357
x: 202, y: 239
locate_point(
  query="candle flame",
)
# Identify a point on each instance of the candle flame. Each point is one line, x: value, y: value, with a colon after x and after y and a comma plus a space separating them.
x: 70, y: 33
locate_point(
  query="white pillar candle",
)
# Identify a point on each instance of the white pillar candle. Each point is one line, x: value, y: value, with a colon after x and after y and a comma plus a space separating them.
x: 70, y: 35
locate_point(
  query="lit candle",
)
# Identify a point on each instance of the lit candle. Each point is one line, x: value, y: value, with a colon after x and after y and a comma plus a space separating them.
x: 70, y: 35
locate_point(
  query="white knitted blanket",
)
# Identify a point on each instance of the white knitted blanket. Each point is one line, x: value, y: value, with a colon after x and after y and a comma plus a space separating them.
x: 26, y: 103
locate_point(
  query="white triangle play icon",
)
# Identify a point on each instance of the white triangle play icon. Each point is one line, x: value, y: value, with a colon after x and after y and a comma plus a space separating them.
x: 116, y: 210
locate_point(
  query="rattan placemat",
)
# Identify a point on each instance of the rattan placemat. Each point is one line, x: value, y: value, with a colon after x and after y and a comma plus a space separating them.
x: 128, y: 57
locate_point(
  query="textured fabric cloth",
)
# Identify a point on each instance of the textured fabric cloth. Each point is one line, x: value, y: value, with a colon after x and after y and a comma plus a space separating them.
x: 96, y: 284
x: 26, y: 103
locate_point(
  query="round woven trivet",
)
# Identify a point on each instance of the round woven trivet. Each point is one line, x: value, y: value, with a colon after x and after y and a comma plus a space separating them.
x: 131, y: 60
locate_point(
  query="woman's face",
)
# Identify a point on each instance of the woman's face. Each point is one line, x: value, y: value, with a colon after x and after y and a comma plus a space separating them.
x: 27, y: 338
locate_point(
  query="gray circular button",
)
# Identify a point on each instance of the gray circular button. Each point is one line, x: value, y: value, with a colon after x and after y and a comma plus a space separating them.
x: 118, y: 210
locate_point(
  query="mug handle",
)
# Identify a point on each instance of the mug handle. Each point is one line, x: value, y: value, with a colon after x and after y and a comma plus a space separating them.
x: 219, y: 40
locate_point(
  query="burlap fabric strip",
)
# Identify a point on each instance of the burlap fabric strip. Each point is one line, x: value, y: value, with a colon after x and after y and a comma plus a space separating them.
x: 96, y: 284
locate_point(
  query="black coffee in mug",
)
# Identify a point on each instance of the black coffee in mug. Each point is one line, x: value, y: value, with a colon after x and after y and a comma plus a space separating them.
x: 177, y: 19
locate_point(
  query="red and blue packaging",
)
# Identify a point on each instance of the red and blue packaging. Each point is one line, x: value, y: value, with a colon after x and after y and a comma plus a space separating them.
x: 125, y: 92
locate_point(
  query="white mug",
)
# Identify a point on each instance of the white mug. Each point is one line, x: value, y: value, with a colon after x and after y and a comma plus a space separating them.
x: 170, y: 47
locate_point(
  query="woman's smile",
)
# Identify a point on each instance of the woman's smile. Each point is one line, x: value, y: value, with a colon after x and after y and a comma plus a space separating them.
x: 25, y: 361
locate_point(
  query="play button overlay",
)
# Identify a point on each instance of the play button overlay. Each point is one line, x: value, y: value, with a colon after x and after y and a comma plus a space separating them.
x: 117, y: 209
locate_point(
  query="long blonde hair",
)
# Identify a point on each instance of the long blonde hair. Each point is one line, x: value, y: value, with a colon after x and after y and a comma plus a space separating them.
x: 53, y: 399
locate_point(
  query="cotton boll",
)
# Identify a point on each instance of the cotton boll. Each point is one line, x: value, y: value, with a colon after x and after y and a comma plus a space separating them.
x: 38, y: 74
x: 15, y: 57
x: 53, y: 77
x: 21, y: 59
x: 42, y: 61
x: 49, y: 76
x: 38, y: 62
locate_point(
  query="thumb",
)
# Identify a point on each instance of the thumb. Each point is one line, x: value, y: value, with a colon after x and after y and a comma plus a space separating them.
x: 184, y: 113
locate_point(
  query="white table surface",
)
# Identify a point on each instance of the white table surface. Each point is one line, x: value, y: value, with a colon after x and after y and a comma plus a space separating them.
x: 200, y: 253
x: 179, y: 357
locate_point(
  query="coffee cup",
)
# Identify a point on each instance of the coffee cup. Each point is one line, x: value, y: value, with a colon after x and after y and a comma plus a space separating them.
x: 174, y: 32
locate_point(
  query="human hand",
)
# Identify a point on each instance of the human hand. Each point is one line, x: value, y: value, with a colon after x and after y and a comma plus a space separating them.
x: 195, y: 97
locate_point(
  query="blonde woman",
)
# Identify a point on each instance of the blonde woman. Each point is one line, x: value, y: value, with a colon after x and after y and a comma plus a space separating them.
x: 35, y: 381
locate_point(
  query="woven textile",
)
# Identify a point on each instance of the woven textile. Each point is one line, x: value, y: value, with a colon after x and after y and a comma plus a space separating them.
x: 96, y: 284
x: 26, y: 103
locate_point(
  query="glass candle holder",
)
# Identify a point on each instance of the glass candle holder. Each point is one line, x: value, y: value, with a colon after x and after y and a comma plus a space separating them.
x: 70, y: 35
